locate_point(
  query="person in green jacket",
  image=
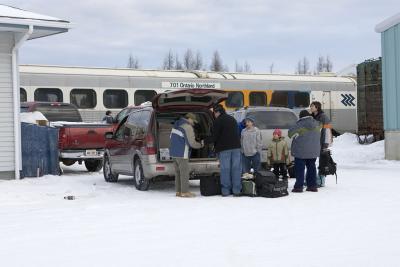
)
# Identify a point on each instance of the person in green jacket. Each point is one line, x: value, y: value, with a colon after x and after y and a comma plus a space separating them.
x: 278, y: 154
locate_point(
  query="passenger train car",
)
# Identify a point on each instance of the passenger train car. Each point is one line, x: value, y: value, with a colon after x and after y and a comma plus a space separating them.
x: 95, y: 90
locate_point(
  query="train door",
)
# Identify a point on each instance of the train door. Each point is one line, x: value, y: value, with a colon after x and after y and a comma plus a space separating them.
x: 326, y: 103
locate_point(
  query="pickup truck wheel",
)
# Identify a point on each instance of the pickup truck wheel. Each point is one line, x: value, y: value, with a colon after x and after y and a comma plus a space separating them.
x: 141, y: 183
x: 109, y: 176
x: 94, y: 165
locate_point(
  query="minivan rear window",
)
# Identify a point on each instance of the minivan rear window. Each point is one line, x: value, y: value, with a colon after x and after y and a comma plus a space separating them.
x: 273, y: 119
x: 60, y: 113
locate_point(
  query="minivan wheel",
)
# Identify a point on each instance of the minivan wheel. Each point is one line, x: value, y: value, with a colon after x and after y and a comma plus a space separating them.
x: 107, y: 172
x: 141, y: 183
x: 94, y: 165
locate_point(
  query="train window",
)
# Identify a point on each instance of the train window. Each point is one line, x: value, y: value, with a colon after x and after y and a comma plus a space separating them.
x: 279, y: 99
x: 301, y: 99
x: 142, y: 96
x: 234, y: 100
x: 115, y: 98
x: 258, y: 99
x: 22, y: 95
x: 48, y: 95
x: 83, y: 98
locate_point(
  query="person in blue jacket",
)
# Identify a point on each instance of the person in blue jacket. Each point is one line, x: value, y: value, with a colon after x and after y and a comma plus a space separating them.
x: 182, y: 141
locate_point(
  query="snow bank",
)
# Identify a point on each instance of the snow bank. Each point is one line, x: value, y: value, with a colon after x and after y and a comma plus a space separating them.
x: 32, y: 117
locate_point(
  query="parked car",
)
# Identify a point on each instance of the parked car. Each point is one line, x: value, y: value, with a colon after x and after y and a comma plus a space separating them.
x: 139, y: 146
x: 267, y: 119
x: 77, y: 141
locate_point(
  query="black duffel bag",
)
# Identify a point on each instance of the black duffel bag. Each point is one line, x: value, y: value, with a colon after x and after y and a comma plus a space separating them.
x: 268, y: 185
x: 210, y: 185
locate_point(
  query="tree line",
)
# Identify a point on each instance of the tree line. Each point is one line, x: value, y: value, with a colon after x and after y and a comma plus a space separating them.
x: 191, y: 60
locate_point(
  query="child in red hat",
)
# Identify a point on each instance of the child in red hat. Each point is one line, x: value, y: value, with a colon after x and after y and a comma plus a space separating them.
x: 278, y: 154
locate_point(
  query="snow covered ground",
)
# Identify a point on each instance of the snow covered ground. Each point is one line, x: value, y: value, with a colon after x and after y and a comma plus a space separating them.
x: 353, y: 223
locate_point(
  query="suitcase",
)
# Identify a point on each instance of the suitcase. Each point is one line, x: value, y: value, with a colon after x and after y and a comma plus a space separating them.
x: 210, y: 185
x: 249, y: 188
x: 268, y: 185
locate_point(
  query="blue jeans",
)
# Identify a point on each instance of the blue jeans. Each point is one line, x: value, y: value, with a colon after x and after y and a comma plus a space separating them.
x: 299, y: 166
x: 229, y: 161
x: 251, y: 162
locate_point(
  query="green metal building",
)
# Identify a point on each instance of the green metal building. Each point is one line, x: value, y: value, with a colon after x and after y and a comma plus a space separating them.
x: 390, y: 35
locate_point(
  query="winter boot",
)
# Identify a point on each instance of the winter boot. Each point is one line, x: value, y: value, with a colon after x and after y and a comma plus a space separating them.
x: 297, y: 190
x: 312, y: 189
x: 187, y: 194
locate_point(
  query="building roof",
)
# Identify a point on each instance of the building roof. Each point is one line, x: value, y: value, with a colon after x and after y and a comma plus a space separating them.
x: 388, y: 23
x: 18, y: 20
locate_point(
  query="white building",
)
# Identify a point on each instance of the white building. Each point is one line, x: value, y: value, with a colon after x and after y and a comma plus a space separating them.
x: 16, y: 26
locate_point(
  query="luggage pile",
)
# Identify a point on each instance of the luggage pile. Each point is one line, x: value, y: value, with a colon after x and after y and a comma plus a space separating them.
x: 264, y: 184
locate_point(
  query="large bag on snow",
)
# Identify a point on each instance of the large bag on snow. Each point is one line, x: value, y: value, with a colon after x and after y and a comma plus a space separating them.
x: 268, y: 185
x: 210, y: 185
x: 326, y: 164
x: 249, y: 188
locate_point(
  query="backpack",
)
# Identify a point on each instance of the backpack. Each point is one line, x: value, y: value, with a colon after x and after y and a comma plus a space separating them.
x: 326, y: 164
x: 268, y: 185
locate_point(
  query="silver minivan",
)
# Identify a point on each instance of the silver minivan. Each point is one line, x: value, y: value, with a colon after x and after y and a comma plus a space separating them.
x: 267, y: 119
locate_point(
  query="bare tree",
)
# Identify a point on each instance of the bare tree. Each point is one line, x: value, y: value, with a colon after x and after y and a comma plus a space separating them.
x: 303, y: 66
x: 178, y: 63
x: 169, y: 63
x: 238, y: 67
x: 247, y: 67
x: 198, y: 61
x: 188, y: 60
x: 328, y: 64
x: 320, y: 64
x: 133, y: 62
x: 216, y: 62
x: 271, y: 68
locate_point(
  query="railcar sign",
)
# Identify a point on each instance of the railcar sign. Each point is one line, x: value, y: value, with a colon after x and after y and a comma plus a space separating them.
x: 190, y: 85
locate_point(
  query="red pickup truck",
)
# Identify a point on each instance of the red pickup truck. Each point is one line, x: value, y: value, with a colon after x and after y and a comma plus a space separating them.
x: 77, y: 141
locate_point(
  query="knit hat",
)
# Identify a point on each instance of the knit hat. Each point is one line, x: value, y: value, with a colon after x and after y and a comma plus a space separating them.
x: 278, y: 132
x: 191, y: 116
x: 250, y: 119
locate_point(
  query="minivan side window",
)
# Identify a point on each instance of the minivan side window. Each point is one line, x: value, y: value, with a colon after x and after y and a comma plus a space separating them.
x: 83, y: 98
x: 22, y: 95
x: 115, y: 98
x: 48, y: 95
x: 258, y: 99
x: 234, y: 100
x: 142, y: 96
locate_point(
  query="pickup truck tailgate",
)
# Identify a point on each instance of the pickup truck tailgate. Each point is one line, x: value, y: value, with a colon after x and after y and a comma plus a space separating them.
x: 83, y: 136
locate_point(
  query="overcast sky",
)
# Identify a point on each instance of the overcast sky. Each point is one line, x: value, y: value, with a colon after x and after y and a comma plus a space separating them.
x: 262, y: 32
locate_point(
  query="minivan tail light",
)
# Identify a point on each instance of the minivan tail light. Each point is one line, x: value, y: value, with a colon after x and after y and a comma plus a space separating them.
x: 62, y: 140
x: 150, y: 145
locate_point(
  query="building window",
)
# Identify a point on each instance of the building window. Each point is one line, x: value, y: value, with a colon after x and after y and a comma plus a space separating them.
x: 22, y: 95
x: 83, y: 98
x: 48, y: 95
x: 301, y: 99
x: 279, y: 99
x: 258, y: 99
x: 115, y: 98
x: 234, y: 100
x: 142, y: 96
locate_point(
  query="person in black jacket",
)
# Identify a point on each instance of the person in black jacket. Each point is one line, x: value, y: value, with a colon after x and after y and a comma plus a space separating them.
x: 226, y: 139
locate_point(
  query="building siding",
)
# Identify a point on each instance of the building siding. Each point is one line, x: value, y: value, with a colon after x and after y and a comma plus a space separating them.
x: 7, y: 164
x: 391, y: 77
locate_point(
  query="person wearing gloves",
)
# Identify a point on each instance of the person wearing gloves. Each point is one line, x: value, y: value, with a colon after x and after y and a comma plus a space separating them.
x: 305, y: 149
x: 326, y: 133
x: 251, y: 142
x: 182, y: 141
x: 278, y: 154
